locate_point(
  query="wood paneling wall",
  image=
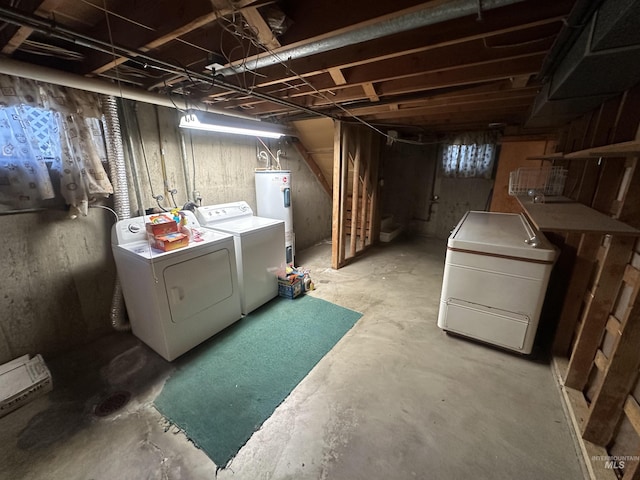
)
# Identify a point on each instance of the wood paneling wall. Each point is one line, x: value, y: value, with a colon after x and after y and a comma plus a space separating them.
x: 597, y: 340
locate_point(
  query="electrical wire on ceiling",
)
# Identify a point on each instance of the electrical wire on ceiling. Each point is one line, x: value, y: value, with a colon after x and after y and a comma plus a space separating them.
x: 252, y: 37
x: 138, y: 24
x: 157, y: 198
x: 44, y: 49
x: 147, y: 62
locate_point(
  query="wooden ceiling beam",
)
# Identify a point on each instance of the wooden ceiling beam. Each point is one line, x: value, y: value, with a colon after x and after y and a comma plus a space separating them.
x: 44, y: 10
x: 439, y: 61
x: 337, y: 76
x: 420, y: 40
x: 522, y: 102
x: 370, y: 92
x: 445, y: 100
x: 445, y: 121
x: 263, y: 33
x: 463, y: 76
x: 493, y: 71
x: 520, y: 81
x: 445, y: 58
x: 175, y: 33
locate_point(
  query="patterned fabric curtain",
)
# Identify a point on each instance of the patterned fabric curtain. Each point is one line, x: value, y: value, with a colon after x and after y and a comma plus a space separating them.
x: 470, y: 155
x: 67, y: 123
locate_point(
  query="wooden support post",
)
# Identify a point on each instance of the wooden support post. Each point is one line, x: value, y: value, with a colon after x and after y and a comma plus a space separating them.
x: 355, y: 194
x: 587, y: 246
x: 365, y: 227
x: 621, y: 370
x: 337, y: 215
x: 594, y: 317
x: 374, y: 214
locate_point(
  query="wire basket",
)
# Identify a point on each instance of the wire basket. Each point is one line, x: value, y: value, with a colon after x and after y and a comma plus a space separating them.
x: 544, y: 180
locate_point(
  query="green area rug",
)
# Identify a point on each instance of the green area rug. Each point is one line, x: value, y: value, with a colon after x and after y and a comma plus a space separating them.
x: 224, y: 390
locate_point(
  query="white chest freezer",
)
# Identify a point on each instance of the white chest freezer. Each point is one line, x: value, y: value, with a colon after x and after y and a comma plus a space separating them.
x: 497, y: 268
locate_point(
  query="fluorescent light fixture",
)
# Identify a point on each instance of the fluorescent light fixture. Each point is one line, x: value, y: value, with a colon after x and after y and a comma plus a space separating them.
x: 212, y: 122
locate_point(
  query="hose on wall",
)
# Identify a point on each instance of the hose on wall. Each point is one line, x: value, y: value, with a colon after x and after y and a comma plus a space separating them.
x: 118, y: 173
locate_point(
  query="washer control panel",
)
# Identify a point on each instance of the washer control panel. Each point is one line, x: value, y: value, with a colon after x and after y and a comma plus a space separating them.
x: 223, y: 212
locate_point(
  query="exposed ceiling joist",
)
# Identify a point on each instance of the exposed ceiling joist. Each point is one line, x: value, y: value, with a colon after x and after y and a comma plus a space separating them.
x: 413, y: 73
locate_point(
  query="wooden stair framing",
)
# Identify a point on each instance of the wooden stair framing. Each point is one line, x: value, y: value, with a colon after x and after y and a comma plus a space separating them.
x: 355, y: 224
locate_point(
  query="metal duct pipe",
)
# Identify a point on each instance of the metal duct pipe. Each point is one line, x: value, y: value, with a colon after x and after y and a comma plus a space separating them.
x: 57, y: 77
x: 429, y: 15
x: 115, y: 157
x: 580, y: 14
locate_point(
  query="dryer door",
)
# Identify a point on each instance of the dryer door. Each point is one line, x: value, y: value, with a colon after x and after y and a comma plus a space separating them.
x: 198, y: 284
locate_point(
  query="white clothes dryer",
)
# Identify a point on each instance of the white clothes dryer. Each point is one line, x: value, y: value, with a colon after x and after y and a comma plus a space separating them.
x: 176, y: 299
x: 258, y: 243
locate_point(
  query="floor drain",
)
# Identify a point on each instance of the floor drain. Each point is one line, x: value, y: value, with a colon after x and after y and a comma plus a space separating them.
x: 112, y: 403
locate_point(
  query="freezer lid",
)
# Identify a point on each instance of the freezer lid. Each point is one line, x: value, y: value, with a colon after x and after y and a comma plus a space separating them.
x: 501, y: 234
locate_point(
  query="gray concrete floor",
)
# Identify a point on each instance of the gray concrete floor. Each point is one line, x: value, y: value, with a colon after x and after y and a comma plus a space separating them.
x: 396, y: 398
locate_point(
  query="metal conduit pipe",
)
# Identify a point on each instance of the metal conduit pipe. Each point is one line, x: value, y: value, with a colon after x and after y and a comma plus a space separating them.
x: 57, y: 77
x: 118, y: 173
x: 429, y: 15
x: 16, y: 17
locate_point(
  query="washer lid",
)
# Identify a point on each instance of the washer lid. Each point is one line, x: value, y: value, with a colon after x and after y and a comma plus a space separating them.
x: 501, y: 234
x: 246, y: 225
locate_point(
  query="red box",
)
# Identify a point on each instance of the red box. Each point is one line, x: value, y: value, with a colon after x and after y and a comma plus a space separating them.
x: 161, y: 225
x: 170, y: 241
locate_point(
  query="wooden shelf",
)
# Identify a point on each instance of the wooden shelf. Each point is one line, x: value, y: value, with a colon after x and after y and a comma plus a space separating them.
x: 561, y: 214
x: 550, y: 156
x: 624, y: 149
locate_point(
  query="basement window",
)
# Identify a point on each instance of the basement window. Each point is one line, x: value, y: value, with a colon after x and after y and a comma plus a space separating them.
x: 471, y: 155
x: 51, y: 147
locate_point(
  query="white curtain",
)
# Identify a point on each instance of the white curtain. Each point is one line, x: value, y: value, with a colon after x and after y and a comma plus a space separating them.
x: 74, y: 147
x: 470, y: 155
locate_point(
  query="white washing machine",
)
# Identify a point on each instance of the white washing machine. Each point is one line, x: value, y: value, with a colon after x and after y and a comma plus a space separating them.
x: 176, y: 299
x: 258, y: 243
x: 495, y: 279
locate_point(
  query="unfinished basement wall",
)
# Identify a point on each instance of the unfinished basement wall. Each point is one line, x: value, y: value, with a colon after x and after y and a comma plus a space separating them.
x: 57, y: 281
x: 596, y: 355
x: 407, y: 179
x: 220, y: 168
x: 58, y: 274
x: 456, y: 196
x: 413, y: 176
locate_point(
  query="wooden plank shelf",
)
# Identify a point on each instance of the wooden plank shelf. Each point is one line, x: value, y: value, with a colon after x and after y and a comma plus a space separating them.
x: 624, y: 149
x: 550, y: 156
x: 561, y: 214
x: 576, y: 409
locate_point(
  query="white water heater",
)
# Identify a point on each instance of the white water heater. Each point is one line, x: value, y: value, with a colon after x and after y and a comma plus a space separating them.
x: 273, y: 198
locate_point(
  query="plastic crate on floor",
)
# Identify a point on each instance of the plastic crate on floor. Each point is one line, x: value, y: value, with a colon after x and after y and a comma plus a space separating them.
x: 289, y: 290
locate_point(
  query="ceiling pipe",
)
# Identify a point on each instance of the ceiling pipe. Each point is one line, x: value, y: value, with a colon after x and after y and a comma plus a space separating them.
x: 430, y: 14
x: 58, y: 77
x: 16, y: 17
